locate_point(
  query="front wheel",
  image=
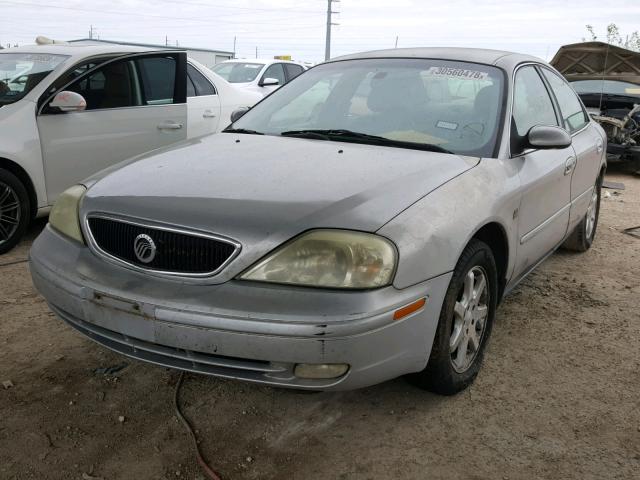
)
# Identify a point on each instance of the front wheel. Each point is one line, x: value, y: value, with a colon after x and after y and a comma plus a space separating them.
x: 581, y: 238
x: 14, y: 210
x: 465, y: 323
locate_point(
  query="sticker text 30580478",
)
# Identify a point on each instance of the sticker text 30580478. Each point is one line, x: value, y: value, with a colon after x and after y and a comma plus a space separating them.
x: 457, y: 72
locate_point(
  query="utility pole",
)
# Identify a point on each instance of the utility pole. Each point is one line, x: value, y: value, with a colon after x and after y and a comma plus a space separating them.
x: 234, y: 47
x: 166, y: 40
x: 396, y: 42
x: 256, y: 51
x: 90, y: 32
x: 327, y: 45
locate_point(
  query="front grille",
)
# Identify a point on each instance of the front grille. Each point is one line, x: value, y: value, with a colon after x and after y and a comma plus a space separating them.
x: 173, y: 252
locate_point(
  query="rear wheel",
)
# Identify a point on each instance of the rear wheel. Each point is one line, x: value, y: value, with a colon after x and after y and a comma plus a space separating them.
x: 14, y: 210
x: 465, y: 323
x: 581, y: 238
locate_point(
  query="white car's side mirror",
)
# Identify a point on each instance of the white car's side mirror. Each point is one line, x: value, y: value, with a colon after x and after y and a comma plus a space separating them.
x: 267, y: 82
x: 69, y: 101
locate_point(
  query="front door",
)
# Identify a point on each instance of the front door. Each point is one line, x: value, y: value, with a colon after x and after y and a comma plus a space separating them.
x: 545, y: 175
x: 135, y: 104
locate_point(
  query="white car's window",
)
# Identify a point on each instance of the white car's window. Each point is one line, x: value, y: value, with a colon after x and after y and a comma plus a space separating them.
x: 293, y: 70
x: 158, y: 75
x: 416, y: 102
x: 234, y: 72
x: 21, y: 72
x: 531, y: 103
x: 113, y: 86
x: 275, y: 71
x: 571, y: 109
x: 201, y: 85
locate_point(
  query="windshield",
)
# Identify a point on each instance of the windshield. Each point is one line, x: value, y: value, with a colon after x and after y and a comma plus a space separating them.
x: 238, y: 72
x: 453, y: 106
x: 21, y: 72
x: 613, y: 87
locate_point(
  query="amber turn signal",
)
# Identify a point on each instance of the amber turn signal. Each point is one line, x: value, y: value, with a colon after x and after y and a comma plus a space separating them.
x: 409, y: 309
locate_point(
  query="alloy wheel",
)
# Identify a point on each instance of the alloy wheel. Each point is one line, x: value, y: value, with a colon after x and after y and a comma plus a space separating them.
x: 9, y: 212
x: 592, y: 212
x: 470, y: 315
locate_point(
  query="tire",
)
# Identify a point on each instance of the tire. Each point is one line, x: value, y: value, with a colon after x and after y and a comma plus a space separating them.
x: 581, y: 238
x: 445, y: 372
x: 15, y: 210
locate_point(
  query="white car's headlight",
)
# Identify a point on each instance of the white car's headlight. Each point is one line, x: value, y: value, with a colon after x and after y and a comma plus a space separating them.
x: 329, y: 259
x: 65, y: 214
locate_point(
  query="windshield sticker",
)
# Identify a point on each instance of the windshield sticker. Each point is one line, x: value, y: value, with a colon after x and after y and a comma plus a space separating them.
x: 447, y: 125
x: 457, y: 73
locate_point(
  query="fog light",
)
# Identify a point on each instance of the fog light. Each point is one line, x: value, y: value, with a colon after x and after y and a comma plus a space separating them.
x: 320, y: 370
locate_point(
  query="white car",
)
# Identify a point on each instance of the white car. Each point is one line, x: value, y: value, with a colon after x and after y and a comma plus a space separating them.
x: 69, y: 111
x: 262, y: 76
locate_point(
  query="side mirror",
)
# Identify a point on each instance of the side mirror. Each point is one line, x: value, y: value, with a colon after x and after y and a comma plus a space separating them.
x: 267, y: 82
x: 238, y: 113
x: 546, y: 137
x: 68, y: 101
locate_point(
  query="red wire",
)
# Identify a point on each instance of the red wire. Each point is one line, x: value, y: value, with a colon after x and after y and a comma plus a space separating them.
x: 201, y: 461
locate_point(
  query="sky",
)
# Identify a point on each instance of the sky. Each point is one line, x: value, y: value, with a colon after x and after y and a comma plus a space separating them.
x: 297, y: 27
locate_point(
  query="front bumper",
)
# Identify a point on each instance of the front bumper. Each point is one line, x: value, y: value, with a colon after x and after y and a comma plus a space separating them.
x: 244, y: 330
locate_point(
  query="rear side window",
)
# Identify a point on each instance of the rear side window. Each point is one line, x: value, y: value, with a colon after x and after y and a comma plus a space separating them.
x: 573, y: 114
x: 531, y: 102
x: 158, y: 75
x: 293, y: 70
x: 201, y: 85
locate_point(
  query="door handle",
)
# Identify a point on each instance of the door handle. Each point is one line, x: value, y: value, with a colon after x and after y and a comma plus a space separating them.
x: 599, y: 146
x: 170, y: 126
x: 208, y: 114
x: 569, y: 164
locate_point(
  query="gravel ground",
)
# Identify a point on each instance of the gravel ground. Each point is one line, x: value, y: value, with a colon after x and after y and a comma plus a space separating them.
x: 558, y: 396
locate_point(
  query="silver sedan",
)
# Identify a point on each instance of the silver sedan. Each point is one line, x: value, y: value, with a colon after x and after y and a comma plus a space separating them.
x: 361, y: 223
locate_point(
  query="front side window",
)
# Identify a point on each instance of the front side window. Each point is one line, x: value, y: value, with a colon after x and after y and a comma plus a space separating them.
x: 531, y: 102
x: 113, y: 86
x: 573, y: 114
x: 235, y: 72
x: 412, y: 103
x: 21, y: 72
x: 275, y: 71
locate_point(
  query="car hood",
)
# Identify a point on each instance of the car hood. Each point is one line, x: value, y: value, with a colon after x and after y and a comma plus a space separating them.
x: 597, y: 61
x: 263, y: 190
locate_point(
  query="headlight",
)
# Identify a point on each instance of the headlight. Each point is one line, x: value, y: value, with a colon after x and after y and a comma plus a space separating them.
x: 330, y: 259
x: 65, y: 214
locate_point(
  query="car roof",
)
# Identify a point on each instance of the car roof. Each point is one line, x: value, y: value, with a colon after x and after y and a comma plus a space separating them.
x: 76, y: 50
x: 263, y: 61
x: 475, y: 55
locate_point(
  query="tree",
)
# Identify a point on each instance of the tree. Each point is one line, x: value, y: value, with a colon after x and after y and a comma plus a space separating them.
x: 630, y: 41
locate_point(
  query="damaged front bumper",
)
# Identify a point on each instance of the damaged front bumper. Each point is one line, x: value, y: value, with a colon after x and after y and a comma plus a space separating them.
x: 242, y: 330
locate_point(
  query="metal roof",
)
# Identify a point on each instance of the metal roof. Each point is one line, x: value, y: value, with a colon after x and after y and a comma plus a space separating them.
x: 150, y: 45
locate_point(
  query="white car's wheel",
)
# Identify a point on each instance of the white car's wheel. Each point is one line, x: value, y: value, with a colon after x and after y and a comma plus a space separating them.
x: 14, y: 210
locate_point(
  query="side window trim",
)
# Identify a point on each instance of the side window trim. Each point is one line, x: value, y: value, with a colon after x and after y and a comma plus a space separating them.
x: 552, y: 96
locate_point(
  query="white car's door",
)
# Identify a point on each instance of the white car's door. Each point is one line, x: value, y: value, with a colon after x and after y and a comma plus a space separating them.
x: 203, y: 102
x: 135, y: 104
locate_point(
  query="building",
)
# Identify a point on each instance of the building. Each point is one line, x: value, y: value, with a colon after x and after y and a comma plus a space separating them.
x: 203, y: 55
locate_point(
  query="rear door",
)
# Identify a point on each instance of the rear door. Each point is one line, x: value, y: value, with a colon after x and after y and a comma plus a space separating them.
x: 543, y: 215
x: 135, y: 103
x: 587, y: 144
x: 203, y: 103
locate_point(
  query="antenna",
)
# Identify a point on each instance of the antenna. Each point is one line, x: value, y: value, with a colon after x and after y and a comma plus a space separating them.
x: 604, y: 71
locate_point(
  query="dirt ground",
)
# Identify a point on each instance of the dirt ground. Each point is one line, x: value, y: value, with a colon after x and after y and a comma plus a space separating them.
x: 558, y: 396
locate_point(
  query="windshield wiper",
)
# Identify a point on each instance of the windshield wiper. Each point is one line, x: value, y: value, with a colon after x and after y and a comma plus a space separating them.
x: 242, y: 130
x: 358, y: 137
